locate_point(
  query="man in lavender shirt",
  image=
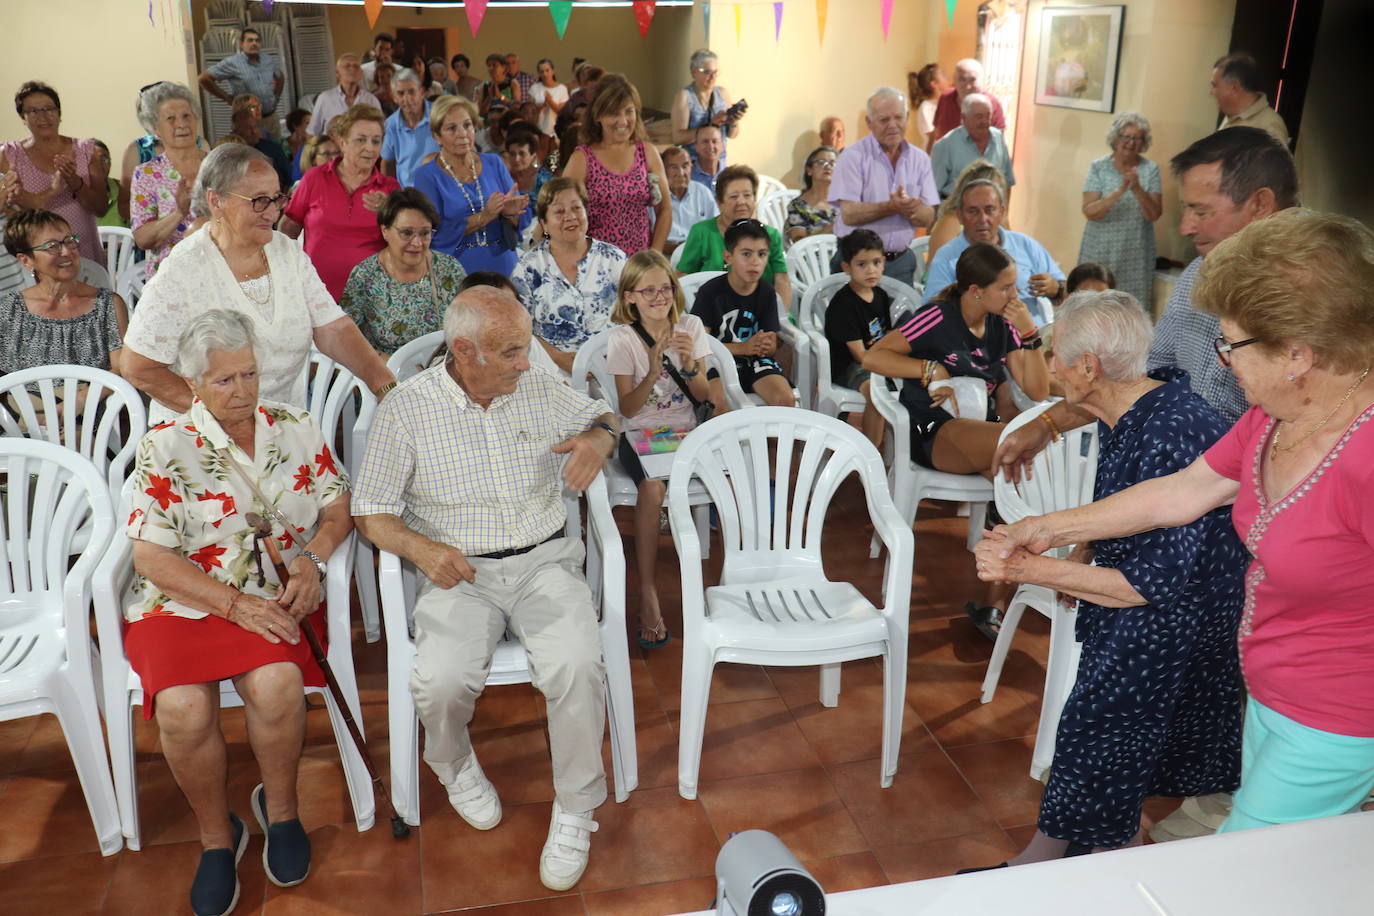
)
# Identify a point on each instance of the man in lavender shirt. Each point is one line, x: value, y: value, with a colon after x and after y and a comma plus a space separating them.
x: 885, y: 184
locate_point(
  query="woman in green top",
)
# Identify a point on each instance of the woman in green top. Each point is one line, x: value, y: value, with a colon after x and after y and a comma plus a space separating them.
x: 737, y: 189
x: 401, y: 292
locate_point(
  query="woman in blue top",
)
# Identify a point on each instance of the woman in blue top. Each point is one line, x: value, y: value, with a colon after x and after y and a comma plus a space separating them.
x: 481, y: 212
x: 703, y: 102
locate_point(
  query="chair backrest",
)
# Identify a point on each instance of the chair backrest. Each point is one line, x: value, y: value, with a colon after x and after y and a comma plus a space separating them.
x: 770, y: 518
x: 119, y: 250
x: 692, y: 283
x: 1062, y: 475
x: 591, y: 360
x: 49, y: 493
x: 816, y: 300
x: 919, y: 247
x: 772, y: 209
x: 90, y: 411
x: 904, y: 298
x: 413, y: 357
x: 769, y: 185
x: 334, y: 397
x: 808, y: 260
x: 675, y: 257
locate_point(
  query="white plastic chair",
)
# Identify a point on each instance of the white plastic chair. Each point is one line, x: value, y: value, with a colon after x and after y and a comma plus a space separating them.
x: 774, y: 604
x: 769, y: 185
x: 119, y: 251
x: 123, y: 689
x: 808, y: 261
x: 675, y: 257
x: 46, y: 656
x: 1062, y: 477
x: 832, y: 399
x: 912, y: 482
x: 772, y: 210
x: 413, y: 357
x: 509, y: 665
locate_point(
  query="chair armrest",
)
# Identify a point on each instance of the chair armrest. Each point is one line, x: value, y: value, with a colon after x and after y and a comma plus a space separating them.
x: 337, y: 578
x: 890, y: 409
x: 602, y: 530
x: 113, y: 577
x: 900, y: 541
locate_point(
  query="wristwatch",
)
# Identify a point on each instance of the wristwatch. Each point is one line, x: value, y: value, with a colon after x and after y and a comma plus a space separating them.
x: 601, y: 424
x: 319, y: 564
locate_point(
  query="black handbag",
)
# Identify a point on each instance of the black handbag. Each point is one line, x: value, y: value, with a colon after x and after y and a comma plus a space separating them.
x: 701, y: 410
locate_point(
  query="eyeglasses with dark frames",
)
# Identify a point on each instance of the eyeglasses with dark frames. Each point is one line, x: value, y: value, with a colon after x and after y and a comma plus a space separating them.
x: 1224, y: 348
x: 655, y: 292
x: 262, y: 202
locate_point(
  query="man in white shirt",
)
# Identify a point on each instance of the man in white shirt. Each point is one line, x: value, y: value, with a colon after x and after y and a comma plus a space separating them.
x: 381, y: 54
x: 692, y: 201
x: 333, y: 102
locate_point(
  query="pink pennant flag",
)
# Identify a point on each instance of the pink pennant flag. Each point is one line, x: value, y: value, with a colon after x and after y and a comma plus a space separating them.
x: 476, y: 10
x: 644, y: 15
x: 887, y: 17
x: 777, y: 22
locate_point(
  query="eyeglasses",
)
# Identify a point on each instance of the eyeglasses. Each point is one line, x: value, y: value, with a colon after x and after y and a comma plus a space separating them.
x: 261, y: 203
x: 56, y: 245
x: 824, y: 163
x: 1224, y: 349
x: 412, y: 234
x: 707, y: 72
x: 655, y: 292
x: 47, y: 110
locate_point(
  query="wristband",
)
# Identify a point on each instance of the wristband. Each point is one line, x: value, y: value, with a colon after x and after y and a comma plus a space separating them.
x: 1055, y: 435
x: 382, y: 391
x: 601, y: 424
x: 229, y: 611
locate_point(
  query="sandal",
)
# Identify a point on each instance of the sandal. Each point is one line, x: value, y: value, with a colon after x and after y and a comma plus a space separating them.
x: 657, y: 636
x: 986, y: 618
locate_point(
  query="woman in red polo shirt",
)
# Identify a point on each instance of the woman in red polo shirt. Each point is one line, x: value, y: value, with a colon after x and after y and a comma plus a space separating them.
x: 336, y: 204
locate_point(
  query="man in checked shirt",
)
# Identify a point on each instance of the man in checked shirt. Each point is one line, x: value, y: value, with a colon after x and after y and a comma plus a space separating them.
x: 461, y: 477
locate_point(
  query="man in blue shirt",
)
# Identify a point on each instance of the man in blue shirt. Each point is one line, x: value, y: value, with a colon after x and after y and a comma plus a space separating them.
x: 710, y: 160
x: 981, y: 212
x: 407, y: 140
x: 692, y: 200
x: 252, y: 71
x: 974, y: 138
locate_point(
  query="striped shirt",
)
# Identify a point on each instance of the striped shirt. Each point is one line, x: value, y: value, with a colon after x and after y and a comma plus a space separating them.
x: 1183, y: 339
x: 480, y: 480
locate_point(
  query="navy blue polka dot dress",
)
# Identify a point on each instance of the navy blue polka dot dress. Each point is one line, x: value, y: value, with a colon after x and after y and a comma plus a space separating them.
x: 1156, y: 708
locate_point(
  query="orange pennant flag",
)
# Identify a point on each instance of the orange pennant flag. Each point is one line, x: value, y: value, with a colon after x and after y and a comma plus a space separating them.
x: 822, y: 9
x: 373, y: 9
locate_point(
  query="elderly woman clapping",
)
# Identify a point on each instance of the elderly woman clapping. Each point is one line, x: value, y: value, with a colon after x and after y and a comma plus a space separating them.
x: 209, y: 606
x: 1122, y: 198
x: 160, y: 200
x: 238, y: 262
x: 1156, y: 707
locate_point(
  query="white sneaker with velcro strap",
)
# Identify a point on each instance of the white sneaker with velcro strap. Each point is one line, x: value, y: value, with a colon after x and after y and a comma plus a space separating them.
x: 474, y: 797
x: 564, y: 858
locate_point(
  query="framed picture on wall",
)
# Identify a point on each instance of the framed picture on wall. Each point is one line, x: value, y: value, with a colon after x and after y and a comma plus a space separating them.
x: 1080, y: 48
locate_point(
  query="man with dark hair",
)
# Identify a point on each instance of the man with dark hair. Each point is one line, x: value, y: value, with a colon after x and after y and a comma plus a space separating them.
x: 249, y: 72
x: 464, y: 83
x: 381, y: 54
x: 1235, y: 86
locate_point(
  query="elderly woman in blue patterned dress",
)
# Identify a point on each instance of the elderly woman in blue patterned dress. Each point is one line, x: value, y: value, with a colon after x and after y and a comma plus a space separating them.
x: 1156, y: 709
x: 569, y: 281
x: 401, y: 292
x: 1122, y: 198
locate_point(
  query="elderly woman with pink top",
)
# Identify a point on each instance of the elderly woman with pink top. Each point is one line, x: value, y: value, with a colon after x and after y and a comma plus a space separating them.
x: 1297, y: 470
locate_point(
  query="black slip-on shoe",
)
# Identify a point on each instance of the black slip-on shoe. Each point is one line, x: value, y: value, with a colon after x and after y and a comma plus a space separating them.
x: 215, y: 890
x: 285, y: 849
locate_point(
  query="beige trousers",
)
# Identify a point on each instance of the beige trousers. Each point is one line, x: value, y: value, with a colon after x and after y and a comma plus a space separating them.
x: 542, y: 598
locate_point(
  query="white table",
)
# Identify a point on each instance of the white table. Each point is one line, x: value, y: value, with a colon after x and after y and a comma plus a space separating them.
x: 1314, y: 868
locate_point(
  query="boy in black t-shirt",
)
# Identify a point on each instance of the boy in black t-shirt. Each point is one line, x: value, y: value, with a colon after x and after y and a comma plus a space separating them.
x: 858, y: 316
x: 741, y: 310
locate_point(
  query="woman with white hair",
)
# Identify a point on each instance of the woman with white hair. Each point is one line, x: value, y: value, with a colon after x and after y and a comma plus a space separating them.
x: 702, y: 102
x: 160, y: 199
x: 208, y: 603
x: 238, y: 262
x: 1156, y: 708
x: 1122, y: 198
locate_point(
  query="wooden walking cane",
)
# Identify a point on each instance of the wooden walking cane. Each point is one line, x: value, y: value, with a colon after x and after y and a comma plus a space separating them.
x: 262, y: 532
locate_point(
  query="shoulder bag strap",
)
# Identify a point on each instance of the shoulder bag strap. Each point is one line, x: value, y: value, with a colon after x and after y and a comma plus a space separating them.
x: 667, y: 364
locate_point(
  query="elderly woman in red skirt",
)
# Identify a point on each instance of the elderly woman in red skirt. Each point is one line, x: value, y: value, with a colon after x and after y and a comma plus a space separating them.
x: 208, y: 606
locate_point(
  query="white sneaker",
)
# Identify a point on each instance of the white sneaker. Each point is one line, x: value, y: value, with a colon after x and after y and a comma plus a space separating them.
x: 564, y: 858
x: 474, y: 797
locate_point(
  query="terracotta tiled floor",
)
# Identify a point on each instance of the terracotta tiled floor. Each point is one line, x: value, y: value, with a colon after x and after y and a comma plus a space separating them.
x: 773, y: 758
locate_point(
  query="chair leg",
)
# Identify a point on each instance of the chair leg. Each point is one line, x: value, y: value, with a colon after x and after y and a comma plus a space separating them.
x: 1010, y: 620
x: 1060, y: 674
x: 697, y: 665
x: 977, y: 521
x: 120, y: 730
x: 894, y: 703
x: 355, y: 771
x: 74, y: 703
x: 620, y: 714
x: 830, y: 685
x: 405, y: 752
x: 365, y: 575
x: 702, y: 515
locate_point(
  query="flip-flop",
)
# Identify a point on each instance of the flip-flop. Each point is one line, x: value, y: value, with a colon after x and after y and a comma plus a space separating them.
x: 654, y: 643
x: 986, y: 618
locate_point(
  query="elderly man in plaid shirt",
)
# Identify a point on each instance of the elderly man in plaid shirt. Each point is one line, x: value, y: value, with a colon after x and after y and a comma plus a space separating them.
x: 461, y: 477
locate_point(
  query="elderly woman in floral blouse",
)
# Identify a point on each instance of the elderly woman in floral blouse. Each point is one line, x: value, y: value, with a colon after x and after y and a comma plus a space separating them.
x: 160, y: 200
x: 400, y: 293
x: 209, y: 607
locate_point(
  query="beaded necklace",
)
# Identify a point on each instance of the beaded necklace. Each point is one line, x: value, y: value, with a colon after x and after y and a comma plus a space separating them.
x: 479, y: 237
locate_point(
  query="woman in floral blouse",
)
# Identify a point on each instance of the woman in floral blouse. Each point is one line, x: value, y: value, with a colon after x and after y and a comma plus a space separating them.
x: 207, y: 606
x: 401, y: 292
x: 811, y: 212
x: 160, y: 200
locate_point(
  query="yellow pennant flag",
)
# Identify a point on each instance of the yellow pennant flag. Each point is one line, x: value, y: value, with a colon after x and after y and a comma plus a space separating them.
x: 737, y: 23
x: 822, y: 10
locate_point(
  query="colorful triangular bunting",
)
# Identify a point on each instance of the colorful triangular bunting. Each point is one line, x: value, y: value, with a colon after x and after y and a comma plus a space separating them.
x: 644, y: 15
x: 560, y: 10
x: 887, y: 17
x: 777, y: 22
x: 822, y: 10
x: 476, y: 10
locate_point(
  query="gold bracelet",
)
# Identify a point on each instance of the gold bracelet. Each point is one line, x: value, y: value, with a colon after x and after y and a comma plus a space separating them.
x: 382, y: 391
x: 1055, y: 435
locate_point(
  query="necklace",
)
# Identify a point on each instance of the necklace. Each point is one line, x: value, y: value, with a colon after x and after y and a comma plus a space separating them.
x: 479, y: 238
x: 1275, y: 448
x: 243, y: 279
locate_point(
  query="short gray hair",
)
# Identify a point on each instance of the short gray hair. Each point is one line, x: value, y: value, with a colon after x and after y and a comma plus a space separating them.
x: 701, y: 56
x: 969, y: 63
x: 974, y: 98
x: 886, y: 93
x: 1129, y: 119
x: 1109, y: 324
x: 221, y: 170
x: 151, y: 100
x: 216, y: 329
x: 472, y: 311
x: 405, y: 74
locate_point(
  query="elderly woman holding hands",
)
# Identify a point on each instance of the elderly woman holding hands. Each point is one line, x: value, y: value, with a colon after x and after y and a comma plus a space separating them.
x: 57, y: 173
x: 209, y: 605
x: 1297, y: 470
x: 239, y: 263
x: 481, y: 213
x: 1156, y: 708
x: 160, y: 200
x: 402, y: 291
x: 336, y: 204
x: 569, y: 281
x: 1122, y: 198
